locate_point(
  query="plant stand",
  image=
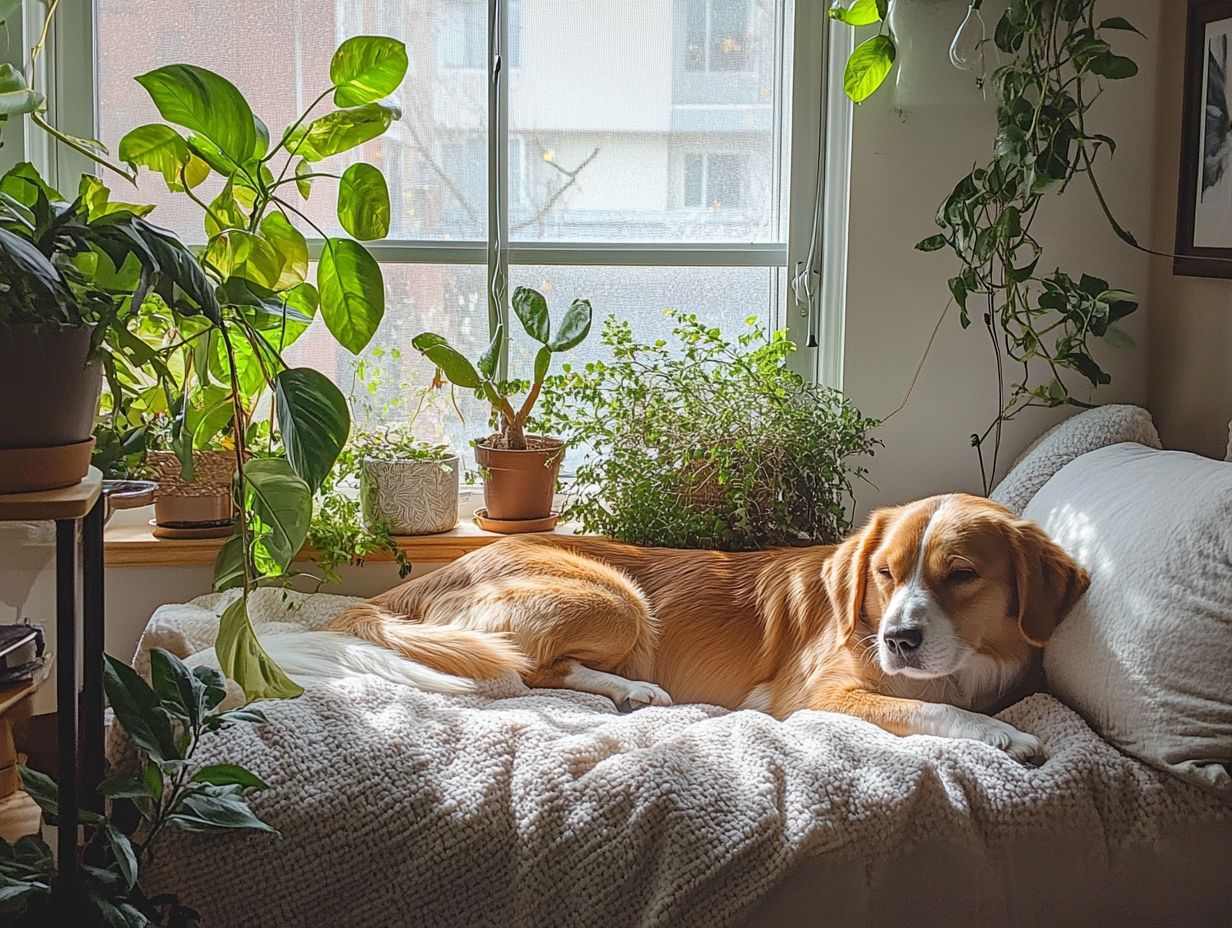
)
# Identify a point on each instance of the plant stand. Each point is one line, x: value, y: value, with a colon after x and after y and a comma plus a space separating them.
x: 78, y: 513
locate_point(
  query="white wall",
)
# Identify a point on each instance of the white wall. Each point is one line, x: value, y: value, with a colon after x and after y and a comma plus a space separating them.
x: 904, y: 162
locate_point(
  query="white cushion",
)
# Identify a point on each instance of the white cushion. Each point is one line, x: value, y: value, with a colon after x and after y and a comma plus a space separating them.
x: 1146, y: 655
x: 1088, y: 431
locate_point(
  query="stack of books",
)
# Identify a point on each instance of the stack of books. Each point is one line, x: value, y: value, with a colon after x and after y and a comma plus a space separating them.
x: 21, y: 652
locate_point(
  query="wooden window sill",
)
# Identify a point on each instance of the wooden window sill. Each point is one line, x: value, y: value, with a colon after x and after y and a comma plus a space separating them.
x: 128, y: 544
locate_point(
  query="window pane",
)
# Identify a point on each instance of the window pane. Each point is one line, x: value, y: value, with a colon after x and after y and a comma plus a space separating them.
x: 448, y: 300
x: 278, y: 54
x: 613, y: 98
x: 721, y: 296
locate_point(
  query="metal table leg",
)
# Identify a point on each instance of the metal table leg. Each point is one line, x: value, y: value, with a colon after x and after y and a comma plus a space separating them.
x: 93, y: 759
x: 66, y: 708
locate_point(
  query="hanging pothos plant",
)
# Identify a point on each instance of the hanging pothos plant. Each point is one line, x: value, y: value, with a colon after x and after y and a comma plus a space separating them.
x: 1045, y: 324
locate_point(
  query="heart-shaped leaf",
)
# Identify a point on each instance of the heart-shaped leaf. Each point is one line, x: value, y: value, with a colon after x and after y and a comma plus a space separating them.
x: 282, y: 503
x: 290, y: 246
x: 868, y: 67
x: 367, y: 68
x: 242, y: 658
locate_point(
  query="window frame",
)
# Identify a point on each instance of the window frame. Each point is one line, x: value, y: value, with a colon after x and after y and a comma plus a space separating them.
x: 813, y: 254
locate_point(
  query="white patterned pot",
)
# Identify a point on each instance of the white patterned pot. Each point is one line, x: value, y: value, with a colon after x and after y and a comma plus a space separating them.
x: 415, y: 497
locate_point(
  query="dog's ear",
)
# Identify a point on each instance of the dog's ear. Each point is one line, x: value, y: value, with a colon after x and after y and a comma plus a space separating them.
x: 846, y: 572
x: 1048, y: 582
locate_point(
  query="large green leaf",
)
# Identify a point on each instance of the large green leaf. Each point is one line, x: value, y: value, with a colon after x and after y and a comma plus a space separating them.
x: 363, y: 202
x: 314, y: 421
x: 205, y: 812
x: 229, y: 563
x: 160, y: 148
x: 242, y: 658
x: 288, y: 242
x: 16, y: 97
x: 367, y: 68
x: 282, y: 502
x: 868, y: 67
x: 453, y: 363
x: 341, y: 131
x: 574, y: 327
x: 235, y: 253
x: 352, y: 293
x: 532, y: 309
x: 202, y: 101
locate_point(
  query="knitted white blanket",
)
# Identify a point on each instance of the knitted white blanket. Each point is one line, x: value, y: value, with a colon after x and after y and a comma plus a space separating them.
x: 542, y: 808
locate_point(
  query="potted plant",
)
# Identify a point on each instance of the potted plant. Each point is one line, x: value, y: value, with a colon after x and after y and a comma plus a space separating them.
x: 519, y: 470
x: 706, y: 442
x: 75, y: 278
x: 407, y: 486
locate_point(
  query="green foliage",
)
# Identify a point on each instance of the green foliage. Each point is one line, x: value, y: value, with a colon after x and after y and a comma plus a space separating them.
x: 706, y: 443
x: 1045, y: 325
x: 338, y: 534
x: 167, y: 722
x: 873, y: 59
x: 531, y: 308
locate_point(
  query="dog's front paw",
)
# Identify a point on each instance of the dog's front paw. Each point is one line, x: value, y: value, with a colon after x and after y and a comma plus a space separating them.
x: 638, y: 694
x: 959, y: 723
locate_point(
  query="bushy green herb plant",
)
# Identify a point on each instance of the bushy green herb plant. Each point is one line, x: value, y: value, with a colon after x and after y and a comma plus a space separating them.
x: 167, y: 723
x: 705, y: 442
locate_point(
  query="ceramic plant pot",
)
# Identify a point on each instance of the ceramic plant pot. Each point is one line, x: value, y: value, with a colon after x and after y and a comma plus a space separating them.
x: 519, y: 485
x: 414, y: 497
x: 204, y: 502
x: 48, y: 401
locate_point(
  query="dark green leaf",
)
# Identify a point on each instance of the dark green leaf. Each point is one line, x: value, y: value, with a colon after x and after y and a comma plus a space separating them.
x: 574, y: 327
x: 543, y: 359
x: 229, y: 775
x: 1119, y: 22
x: 283, y: 503
x: 314, y: 422
x: 352, y: 293
x: 1113, y: 67
x: 122, y: 851
x: 41, y: 788
x: 932, y: 243
x: 452, y: 363
x: 177, y: 689
x: 491, y: 355
x: 363, y: 202
x: 532, y: 311
x: 367, y: 68
x: 16, y: 97
x: 204, y: 812
x: 138, y: 711
x: 214, y: 685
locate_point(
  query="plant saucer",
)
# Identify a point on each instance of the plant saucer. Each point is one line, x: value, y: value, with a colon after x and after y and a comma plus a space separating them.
x: 515, y: 526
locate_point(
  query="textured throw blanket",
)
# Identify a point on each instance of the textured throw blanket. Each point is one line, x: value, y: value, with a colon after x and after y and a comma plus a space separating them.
x: 542, y: 808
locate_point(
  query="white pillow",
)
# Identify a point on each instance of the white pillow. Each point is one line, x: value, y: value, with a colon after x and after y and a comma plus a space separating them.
x: 1146, y: 655
x: 1088, y: 431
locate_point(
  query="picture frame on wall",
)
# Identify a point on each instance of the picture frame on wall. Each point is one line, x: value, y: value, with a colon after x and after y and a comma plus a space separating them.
x: 1204, y: 210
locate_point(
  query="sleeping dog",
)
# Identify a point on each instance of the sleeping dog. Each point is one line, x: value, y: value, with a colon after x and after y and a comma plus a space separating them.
x: 929, y: 615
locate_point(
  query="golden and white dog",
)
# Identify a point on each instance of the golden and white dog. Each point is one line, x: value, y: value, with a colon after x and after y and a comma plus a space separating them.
x: 929, y: 615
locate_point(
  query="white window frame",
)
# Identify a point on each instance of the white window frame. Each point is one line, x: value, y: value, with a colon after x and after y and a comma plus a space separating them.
x: 814, y: 254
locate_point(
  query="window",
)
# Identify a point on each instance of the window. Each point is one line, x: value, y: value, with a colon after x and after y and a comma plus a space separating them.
x: 718, y: 35
x: 635, y: 153
x: 714, y: 181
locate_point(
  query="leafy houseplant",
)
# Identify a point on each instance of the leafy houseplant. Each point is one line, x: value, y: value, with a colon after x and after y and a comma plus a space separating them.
x: 519, y: 470
x: 257, y: 259
x: 706, y: 443
x: 1044, y: 323
x: 76, y: 278
x: 167, y: 723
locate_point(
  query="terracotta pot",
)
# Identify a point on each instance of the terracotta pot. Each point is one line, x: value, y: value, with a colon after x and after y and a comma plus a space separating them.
x: 205, y: 500
x: 48, y: 400
x: 520, y: 484
x: 414, y: 497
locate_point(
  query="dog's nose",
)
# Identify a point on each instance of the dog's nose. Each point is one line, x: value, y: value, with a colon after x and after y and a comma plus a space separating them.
x: 903, y: 641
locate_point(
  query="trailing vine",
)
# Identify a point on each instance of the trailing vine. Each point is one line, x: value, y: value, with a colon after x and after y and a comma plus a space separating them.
x: 1044, y: 325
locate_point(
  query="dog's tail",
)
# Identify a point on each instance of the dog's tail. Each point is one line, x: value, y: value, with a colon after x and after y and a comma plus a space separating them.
x: 330, y: 654
x: 451, y: 651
